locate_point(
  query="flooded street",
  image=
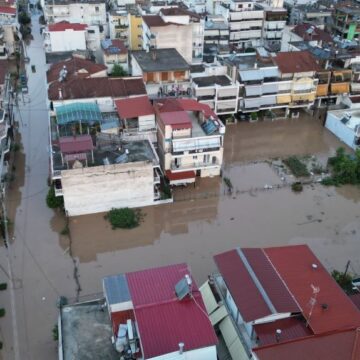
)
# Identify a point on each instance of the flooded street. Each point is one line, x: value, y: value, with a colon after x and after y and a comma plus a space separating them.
x: 203, y: 220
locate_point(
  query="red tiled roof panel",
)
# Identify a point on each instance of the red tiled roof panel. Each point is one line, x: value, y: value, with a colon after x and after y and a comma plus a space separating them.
x: 163, y: 326
x: 176, y: 119
x: 310, y: 32
x: 244, y: 292
x: 134, y: 107
x: 75, y: 144
x: 296, y: 62
x: 154, y: 20
x: 291, y: 328
x: 340, y: 345
x: 153, y: 286
x: 294, y: 265
x: 273, y: 285
x: 7, y: 10
x: 193, y: 105
x: 355, y: 298
x: 65, y: 25
x: 180, y: 175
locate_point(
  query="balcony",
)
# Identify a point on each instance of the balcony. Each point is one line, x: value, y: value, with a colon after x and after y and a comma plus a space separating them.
x: 322, y: 90
x: 196, y: 165
x: 355, y: 87
x: 340, y: 88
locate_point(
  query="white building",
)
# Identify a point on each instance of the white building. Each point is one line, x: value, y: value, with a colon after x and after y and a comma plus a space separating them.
x: 198, y: 6
x: 175, y: 28
x: 8, y: 14
x: 345, y: 124
x: 245, y: 22
x: 65, y: 36
x: 190, y: 140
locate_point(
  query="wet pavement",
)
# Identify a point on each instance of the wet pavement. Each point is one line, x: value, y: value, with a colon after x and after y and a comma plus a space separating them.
x: 203, y: 221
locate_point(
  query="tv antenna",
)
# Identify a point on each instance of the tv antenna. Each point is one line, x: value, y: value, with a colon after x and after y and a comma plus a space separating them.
x: 312, y: 301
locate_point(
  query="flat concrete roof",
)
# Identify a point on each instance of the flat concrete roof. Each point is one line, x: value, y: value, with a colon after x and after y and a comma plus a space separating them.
x: 204, y: 81
x: 86, y: 332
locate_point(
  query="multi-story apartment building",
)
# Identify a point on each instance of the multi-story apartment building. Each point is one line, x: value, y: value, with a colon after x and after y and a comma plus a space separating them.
x: 135, y: 30
x: 346, y: 23
x: 216, y: 36
x: 245, y: 22
x: 114, y: 52
x: 190, y: 140
x: 177, y: 28
x: 198, y: 6
x: 216, y: 89
x: 119, y: 25
x: 90, y: 12
x: 165, y: 72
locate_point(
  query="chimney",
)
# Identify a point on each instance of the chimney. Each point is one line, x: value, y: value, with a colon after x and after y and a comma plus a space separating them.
x: 60, y: 94
x: 181, y: 348
x: 277, y: 335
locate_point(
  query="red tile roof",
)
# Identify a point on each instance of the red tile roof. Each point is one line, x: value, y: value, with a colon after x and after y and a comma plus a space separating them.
x: 65, y: 25
x: 117, y: 47
x: 177, y: 11
x: 294, y: 265
x: 83, y: 88
x: 163, y: 320
x: 75, y: 144
x: 176, y: 119
x: 180, y: 175
x: 134, y: 107
x: 356, y: 300
x: 244, y: 292
x: 156, y: 20
x: 291, y: 328
x: 75, y: 67
x: 296, y: 62
x: 7, y: 10
x: 342, y: 345
x: 310, y: 32
x: 275, y: 288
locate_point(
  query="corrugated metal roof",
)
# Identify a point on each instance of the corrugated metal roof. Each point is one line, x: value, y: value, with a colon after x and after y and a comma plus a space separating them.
x: 291, y: 328
x: 246, y: 295
x: 75, y: 144
x: 163, y: 326
x: 116, y: 289
x: 134, y: 107
x: 294, y: 265
x: 275, y: 288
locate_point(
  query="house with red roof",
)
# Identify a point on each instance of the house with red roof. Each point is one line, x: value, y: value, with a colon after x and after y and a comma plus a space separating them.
x: 190, y: 140
x: 65, y: 36
x: 153, y: 314
x: 280, y: 303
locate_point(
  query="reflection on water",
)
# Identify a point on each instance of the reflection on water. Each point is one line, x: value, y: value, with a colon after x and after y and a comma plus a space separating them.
x: 349, y: 192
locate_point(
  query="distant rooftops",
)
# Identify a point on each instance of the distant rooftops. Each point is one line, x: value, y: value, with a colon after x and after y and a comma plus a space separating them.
x: 61, y: 2
x: 134, y: 107
x: 113, y: 47
x: 177, y: 11
x: 163, y: 320
x: 310, y: 32
x: 154, y: 20
x: 296, y: 62
x: 65, y: 25
x: 160, y: 60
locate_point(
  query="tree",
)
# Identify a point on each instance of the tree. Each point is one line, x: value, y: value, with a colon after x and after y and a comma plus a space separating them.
x: 118, y: 71
x: 53, y: 201
x: 124, y: 218
x: 24, y: 19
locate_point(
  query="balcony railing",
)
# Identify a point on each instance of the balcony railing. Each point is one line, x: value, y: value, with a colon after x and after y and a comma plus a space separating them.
x: 194, y: 165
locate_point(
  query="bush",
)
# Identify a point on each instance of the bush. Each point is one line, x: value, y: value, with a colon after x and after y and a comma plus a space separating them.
x: 298, y: 168
x: 53, y: 201
x: 254, y: 116
x: 118, y: 71
x: 2, y: 312
x: 228, y: 183
x: 23, y: 18
x: 65, y: 231
x: 297, y: 187
x: 3, y: 286
x: 344, y: 281
x: 55, y: 332
x: 124, y: 218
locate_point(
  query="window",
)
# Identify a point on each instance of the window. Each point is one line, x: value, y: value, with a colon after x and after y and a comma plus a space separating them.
x: 249, y: 5
x: 96, y: 8
x: 195, y: 157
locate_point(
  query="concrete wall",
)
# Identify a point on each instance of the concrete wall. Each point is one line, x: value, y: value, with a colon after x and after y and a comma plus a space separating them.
x: 340, y: 130
x: 98, y: 189
x: 67, y: 40
x: 208, y: 353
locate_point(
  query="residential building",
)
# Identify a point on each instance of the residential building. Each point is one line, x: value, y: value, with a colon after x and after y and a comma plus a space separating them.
x: 114, y: 52
x: 150, y: 314
x: 216, y: 37
x: 65, y: 36
x: 178, y: 28
x: 138, y: 118
x: 345, y: 124
x: 90, y: 12
x: 165, y: 72
x: 197, y: 6
x: 190, y: 140
x: 280, y: 303
x: 245, y: 22
x: 135, y: 31
x: 119, y: 25
x: 7, y: 15
x: 216, y: 89
x: 346, y: 22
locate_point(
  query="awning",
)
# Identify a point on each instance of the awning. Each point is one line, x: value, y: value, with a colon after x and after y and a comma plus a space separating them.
x: 180, y: 177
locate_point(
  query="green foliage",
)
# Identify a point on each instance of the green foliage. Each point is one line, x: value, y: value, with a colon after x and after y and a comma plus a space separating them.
x: 118, y: 71
x: 15, y: 147
x: 23, y: 18
x: 166, y: 191
x: 344, y: 281
x: 254, y: 116
x: 3, y: 286
x: 345, y: 169
x: 297, y: 167
x: 55, y: 332
x: 2, y: 312
x: 65, y: 231
x: 228, y: 183
x: 297, y: 187
x: 124, y: 218
x: 53, y: 201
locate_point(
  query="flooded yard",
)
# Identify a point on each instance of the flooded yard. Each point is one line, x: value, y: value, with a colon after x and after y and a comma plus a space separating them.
x: 204, y: 219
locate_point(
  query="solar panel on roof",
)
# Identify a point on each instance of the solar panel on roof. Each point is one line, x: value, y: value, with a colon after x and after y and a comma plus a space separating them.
x: 182, y: 288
